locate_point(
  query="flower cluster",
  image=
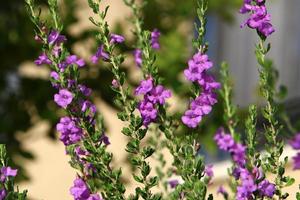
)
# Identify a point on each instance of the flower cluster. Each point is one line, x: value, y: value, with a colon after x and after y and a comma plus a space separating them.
x: 202, y: 105
x: 101, y: 53
x: 80, y: 191
x: 153, y: 96
x: 155, y: 34
x: 259, y: 18
x: 295, y: 143
x: 74, y: 98
x: 138, y: 54
x: 5, y: 173
x: 248, y: 180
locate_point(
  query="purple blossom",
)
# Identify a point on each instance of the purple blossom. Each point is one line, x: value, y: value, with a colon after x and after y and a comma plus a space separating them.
x: 2, y: 194
x: 85, y: 90
x: 246, y: 189
x: 224, y: 141
x: 209, y: 171
x: 208, y: 83
x: 138, y: 57
x: 95, y: 197
x: 196, y: 66
x: 296, y: 160
x: 159, y: 95
x: 8, y: 171
x: 266, y: 188
x: 63, y: 98
x: 72, y: 59
x: 295, y: 142
x: 144, y: 87
x: 88, y: 108
x: 55, y: 38
x: 80, y: 190
x: 173, y: 183
x: 62, y: 66
x: 115, y: 83
x: 70, y: 133
x: 191, y: 118
x: 259, y: 18
x: 155, y: 34
x: 100, y: 54
x: 105, y: 139
x: 148, y: 112
x: 80, y: 152
x: 43, y: 60
x: 238, y: 152
x: 54, y: 75
x: 114, y: 38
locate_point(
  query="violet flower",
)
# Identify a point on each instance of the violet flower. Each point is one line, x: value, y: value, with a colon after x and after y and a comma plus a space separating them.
x: 63, y: 98
x: 43, y: 60
x: 138, y: 57
x: 114, y: 38
x: 55, y: 38
x: 72, y: 59
x: 155, y: 34
x: 100, y: 54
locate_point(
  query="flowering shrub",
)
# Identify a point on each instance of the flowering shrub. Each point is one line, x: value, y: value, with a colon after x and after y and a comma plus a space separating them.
x: 145, y: 111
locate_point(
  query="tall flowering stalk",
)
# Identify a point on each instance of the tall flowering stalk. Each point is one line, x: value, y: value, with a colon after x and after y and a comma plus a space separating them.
x: 7, y: 175
x: 153, y: 94
x: 80, y: 131
x: 260, y: 20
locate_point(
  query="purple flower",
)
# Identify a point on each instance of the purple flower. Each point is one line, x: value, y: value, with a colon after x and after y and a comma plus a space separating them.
x: 2, y: 194
x: 159, y: 95
x: 80, y: 190
x: 105, y: 139
x: 88, y: 108
x: 144, y: 87
x: 138, y: 57
x: 259, y: 18
x: 114, y: 38
x: 95, y: 197
x: 54, y: 75
x: 246, y: 189
x: 70, y: 133
x: 100, y: 54
x: 295, y: 142
x: 115, y: 83
x: 43, y: 60
x: 224, y: 141
x: 155, y: 34
x: 8, y: 171
x: 208, y: 82
x: 80, y: 152
x: 238, y: 152
x: 72, y: 59
x: 209, y: 171
x: 173, y: 183
x: 296, y: 160
x: 148, y: 112
x: 85, y: 90
x: 196, y: 66
x: 266, y: 188
x: 55, y: 38
x: 191, y: 118
x: 63, y: 98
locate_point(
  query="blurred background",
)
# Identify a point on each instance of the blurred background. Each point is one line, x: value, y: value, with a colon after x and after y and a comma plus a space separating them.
x: 28, y: 114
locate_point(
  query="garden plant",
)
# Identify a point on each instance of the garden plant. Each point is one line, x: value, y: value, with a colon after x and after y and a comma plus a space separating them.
x: 150, y: 125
